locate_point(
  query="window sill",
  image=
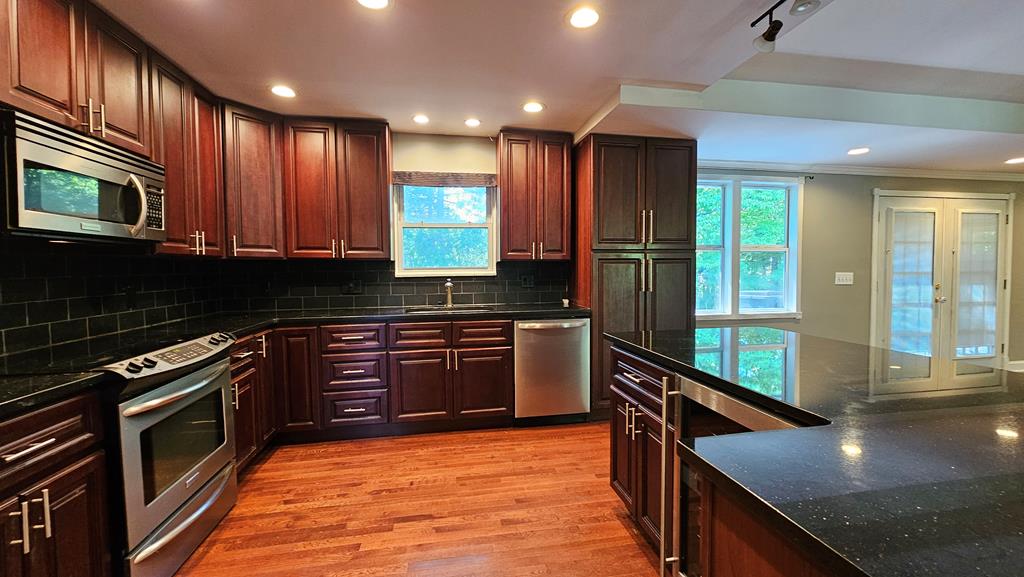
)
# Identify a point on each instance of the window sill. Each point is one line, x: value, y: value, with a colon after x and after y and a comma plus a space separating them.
x: 797, y: 315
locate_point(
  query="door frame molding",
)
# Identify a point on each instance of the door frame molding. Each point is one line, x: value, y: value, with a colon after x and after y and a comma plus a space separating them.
x: 876, y: 237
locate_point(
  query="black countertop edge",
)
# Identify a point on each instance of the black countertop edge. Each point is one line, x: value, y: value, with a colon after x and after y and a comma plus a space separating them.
x: 781, y: 408
x: 43, y: 390
x: 801, y: 539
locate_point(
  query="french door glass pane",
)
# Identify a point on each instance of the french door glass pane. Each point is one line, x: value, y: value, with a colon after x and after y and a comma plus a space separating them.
x: 444, y: 205
x: 763, y: 216
x: 763, y: 371
x: 762, y: 280
x: 709, y: 215
x: 910, y: 325
x: 978, y: 282
x: 709, y: 281
x: 444, y: 248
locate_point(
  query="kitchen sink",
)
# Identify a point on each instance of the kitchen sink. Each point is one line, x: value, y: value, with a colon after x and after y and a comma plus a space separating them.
x: 444, y: 309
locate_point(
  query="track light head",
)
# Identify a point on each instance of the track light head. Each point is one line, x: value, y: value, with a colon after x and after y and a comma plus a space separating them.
x: 766, y: 42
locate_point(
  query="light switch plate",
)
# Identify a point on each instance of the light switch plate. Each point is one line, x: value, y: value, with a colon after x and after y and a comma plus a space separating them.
x: 844, y: 278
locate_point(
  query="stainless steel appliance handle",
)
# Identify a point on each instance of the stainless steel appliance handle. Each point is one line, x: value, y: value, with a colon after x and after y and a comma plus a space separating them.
x: 172, y: 398
x: 140, y: 225
x: 188, y: 522
x: 11, y: 457
x: 546, y: 326
x: 667, y: 550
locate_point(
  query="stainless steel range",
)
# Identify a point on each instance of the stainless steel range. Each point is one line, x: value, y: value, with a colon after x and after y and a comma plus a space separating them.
x: 177, y: 451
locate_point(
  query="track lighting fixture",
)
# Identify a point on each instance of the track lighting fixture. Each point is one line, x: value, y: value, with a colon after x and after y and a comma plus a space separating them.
x: 766, y: 42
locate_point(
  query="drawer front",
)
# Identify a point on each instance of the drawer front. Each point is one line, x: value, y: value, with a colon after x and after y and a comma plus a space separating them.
x: 344, y: 338
x: 481, y: 333
x: 243, y: 356
x: 41, y: 439
x: 419, y: 335
x: 355, y: 371
x: 639, y: 375
x: 349, y: 408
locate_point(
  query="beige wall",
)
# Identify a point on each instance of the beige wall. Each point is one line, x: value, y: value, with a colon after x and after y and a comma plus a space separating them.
x: 837, y: 232
x: 439, y: 153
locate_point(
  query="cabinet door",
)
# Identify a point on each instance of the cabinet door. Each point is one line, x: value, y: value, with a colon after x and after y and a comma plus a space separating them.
x: 618, y: 192
x: 43, y: 58
x: 266, y: 420
x: 118, y: 82
x: 554, y: 189
x: 78, y: 504
x: 670, y: 298
x: 420, y: 385
x: 12, y: 556
x: 671, y: 193
x: 517, y: 186
x: 364, y: 177
x: 243, y: 390
x: 310, y: 189
x: 208, y: 172
x: 252, y: 171
x: 296, y: 361
x: 618, y: 301
x: 171, y: 147
x: 623, y: 458
x: 649, y: 488
x: 482, y: 381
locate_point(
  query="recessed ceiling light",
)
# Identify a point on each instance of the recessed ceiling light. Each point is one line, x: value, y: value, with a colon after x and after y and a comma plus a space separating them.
x: 533, y: 106
x: 584, y: 17
x: 421, y: 119
x: 375, y: 4
x: 472, y: 122
x: 858, y: 151
x: 283, y: 91
x: 804, y: 7
x: 1016, y: 160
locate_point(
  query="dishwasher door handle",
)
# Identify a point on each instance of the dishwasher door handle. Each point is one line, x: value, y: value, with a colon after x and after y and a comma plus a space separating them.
x: 547, y: 326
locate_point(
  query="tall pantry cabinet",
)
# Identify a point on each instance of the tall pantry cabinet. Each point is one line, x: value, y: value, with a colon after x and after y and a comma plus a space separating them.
x: 635, y: 239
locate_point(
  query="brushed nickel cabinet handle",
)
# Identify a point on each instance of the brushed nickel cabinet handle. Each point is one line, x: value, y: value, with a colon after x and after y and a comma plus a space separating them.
x: 334, y: 248
x: 632, y: 377
x: 456, y: 355
x: 650, y: 274
x: 234, y: 394
x: 88, y: 114
x: 263, y: 343
x: 353, y: 371
x: 632, y: 425
x: 234, y: 245
x: 628, y: 409
x: 448, y: 359
x: 353, y: 337
x: 353, y: 410
x: 244, y: 355
x: 668, y: 554
x: 32, y: 448
x: 26, y: 530
x: 541, y: 250
x: 342, y: 248
x: 202, y: 236
x: 533, y: 250
x: 197, y: 249
x: 103, y: 120
x: 650, y: 229
x: 45, y: 501
x: 643, y: 226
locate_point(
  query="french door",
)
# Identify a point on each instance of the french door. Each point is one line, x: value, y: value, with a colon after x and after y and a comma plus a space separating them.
x: 941, y: 294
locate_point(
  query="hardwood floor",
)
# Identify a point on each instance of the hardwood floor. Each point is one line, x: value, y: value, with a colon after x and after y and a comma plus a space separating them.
x: 500, y: 503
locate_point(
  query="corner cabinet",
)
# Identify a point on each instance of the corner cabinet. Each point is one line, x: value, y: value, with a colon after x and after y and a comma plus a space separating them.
x: 534, y: 180
x: 336, y: 188
x: 253, y: 183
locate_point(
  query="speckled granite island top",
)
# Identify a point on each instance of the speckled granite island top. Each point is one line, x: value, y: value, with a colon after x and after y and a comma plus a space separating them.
x: 43, y: 376
x: 899, y: 483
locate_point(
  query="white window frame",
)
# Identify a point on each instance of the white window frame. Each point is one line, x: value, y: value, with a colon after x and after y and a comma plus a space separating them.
x: 400, y: 225
x: 732, y: 186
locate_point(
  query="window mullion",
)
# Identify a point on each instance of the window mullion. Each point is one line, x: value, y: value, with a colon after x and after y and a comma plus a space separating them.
x: 735, y: 190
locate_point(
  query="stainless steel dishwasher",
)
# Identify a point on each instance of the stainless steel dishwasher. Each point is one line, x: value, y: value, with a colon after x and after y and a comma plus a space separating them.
x: 552, y: 367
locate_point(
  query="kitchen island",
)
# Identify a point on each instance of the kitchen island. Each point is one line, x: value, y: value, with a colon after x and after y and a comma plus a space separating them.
x: 858, y: 477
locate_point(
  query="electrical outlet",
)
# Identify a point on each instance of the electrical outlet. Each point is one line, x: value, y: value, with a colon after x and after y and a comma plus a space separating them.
x: 352, y: 287
x: 526, y: 281
x: 844, y: 278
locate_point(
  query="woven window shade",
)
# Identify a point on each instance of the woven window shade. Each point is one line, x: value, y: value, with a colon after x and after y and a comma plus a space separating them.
x: 443, y: 179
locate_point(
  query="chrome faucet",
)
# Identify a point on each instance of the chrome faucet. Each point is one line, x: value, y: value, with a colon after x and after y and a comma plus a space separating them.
x: 448, y: 292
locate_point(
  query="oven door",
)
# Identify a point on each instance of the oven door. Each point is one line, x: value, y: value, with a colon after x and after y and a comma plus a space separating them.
x: 173, y: 440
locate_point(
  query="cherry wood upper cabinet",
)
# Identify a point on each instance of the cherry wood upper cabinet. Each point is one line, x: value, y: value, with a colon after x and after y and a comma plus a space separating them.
x: 535, y: 187
x: 671, y: 195
x: 172, y: 135
x: 42, y: 55
x: 364, y: 179
x: 619, y: 217
x: 310, y: 189
x: 117, y: 82
x: 207, y: 172
x: 253, y: 191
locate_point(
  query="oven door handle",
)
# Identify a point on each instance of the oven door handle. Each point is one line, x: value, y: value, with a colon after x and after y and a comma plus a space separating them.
x: 184, y: 526
x: 137, y: 229
x: 172, y: 398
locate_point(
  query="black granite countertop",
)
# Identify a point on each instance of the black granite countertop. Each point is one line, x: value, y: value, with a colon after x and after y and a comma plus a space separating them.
x: 900, y: 482
x: 43, y: 376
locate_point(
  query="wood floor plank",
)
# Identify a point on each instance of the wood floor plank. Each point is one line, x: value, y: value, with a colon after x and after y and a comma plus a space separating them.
x: 501, y: 503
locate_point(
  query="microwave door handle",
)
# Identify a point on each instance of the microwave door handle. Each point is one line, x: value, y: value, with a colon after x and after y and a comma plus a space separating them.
x: 140, y: 226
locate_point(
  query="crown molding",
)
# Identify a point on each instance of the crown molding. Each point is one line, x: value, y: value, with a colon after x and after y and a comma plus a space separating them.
x: 860, y: 170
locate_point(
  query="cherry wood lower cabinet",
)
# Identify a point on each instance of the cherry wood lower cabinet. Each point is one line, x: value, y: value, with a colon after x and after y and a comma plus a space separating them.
x: 482, y: 382
x: 421, y: 383
x: 297, y: 378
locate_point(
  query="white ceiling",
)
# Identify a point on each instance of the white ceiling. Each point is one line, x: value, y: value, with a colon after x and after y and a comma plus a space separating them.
x: 448, y: 59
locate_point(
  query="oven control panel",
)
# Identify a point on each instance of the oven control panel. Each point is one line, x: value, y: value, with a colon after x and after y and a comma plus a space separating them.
x: 173, y: 357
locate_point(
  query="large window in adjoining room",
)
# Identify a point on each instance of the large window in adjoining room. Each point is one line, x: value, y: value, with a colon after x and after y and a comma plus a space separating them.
x: 445, y: 231
x: 747, y: 247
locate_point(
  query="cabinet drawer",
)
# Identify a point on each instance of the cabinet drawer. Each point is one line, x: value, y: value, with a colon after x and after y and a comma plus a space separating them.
x: 243, y: 356
x: 639, y: 376
x: 355, y: 371
x: 481, y: 333
x: 41, y: 439
x: 419, y: 335
x: 344, y: 338
x: 355, y: 408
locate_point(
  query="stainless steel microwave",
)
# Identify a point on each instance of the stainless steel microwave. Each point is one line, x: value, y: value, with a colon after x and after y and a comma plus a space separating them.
x: 60, y: 183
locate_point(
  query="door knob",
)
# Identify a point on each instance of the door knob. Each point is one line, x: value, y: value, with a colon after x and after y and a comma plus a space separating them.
x: 940, y: 299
